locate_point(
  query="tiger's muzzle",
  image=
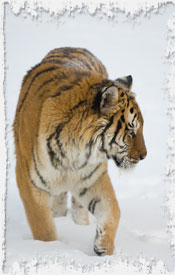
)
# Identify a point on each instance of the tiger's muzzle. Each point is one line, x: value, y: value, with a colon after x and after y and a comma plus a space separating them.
x: 125, y: 162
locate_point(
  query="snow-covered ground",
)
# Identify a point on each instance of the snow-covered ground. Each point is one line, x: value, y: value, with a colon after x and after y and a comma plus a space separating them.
x: 125, y: 47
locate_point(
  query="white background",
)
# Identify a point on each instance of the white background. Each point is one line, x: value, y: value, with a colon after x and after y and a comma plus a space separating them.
x: 135, y: 47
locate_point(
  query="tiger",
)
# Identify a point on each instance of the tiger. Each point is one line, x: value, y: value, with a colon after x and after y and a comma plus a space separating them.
x: 70, y: 120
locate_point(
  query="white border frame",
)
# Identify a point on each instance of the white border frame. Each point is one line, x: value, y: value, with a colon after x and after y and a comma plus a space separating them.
x: 108, y: 8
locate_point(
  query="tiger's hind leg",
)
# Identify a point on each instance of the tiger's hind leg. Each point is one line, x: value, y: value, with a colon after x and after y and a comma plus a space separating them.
x: 59, y: 205
x: 79, y: 213
x: 37, y: 206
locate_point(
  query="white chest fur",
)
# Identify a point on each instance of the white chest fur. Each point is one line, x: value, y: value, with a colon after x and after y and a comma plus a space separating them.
x: 79, y: 170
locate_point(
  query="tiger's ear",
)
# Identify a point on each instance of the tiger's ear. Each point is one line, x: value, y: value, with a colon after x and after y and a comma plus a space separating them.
x: 109, y: 99
x: 126, y: 81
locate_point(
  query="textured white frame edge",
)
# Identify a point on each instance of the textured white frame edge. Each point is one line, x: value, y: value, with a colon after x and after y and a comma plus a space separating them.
x: 108, y: 8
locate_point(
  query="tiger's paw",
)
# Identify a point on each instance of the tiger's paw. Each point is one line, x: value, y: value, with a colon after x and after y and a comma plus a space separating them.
x: 104, y: 246
x: 100, y: 251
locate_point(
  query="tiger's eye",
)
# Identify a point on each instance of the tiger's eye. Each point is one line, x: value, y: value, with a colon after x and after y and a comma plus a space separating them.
x: 132, y: 134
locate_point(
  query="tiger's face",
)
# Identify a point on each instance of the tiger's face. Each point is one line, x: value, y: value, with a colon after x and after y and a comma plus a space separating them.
x: 127, y: 146
x: 122, y: 137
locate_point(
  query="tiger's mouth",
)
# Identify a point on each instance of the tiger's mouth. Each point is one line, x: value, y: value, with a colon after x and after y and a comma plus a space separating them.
x: 118, y: 161
x: 125, y: 162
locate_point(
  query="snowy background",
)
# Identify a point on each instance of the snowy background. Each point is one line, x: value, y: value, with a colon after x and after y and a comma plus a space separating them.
x: 125, y: 46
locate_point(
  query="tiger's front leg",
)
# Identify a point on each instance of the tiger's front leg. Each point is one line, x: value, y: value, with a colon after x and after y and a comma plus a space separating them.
x: 101, y: 201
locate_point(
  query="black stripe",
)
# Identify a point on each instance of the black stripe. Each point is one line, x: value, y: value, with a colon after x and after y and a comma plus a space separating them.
x: 70, y: 62
x: 119, y: 126
x: 53, y: 156
x: 98, y: 97
x: 103, y: 135
x: 29, y: 176
x: 93, y: 171
x: 126, y: 128
x: 109, y: 124
x: 130, y: 125
x: 71, y: 84
x: 98, y: 64
x: 58, y: 132
x: 58, y: 62
x: 62, y: 89
x: 97, y: 101
x: 127, y: 102
x: 59, y: 76
x: 63, y: 53
x: 59, y: 144
x: 117, y: 160
x: 92, y: 205
x: 124, y: 137
x: 84, y: 115
x: 29, y: 73
x: 120, y: 146
x: 79, y: 104
x: 91, y: 58
x: 134, y: 118
x: 36, y: 170
x: 122, y: 118
x: 33, y: 79
x: 45, y: 83
x: 83, y: 62
x: 83, y: 192
x: 28, y: 173
x: 122, y: 151
x: 66, y: 51
x: 87, y: 155
x: 55, y: 161
x: 50, y: 56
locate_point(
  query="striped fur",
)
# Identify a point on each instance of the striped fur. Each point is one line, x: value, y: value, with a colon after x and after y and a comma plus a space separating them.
x: 70, y: 119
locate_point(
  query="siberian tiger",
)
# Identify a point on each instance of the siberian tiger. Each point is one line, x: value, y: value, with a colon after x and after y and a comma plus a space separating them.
x: 70, y: 119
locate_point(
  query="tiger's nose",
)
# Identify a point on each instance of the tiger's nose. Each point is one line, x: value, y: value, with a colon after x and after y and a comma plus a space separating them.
x: 143, y: 156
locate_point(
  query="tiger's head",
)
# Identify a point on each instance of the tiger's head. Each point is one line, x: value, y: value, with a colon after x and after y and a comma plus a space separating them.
x: 122, y: 136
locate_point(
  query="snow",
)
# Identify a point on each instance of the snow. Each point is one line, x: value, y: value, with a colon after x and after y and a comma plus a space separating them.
x: 125, y: 47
